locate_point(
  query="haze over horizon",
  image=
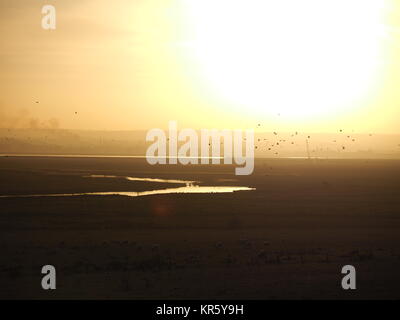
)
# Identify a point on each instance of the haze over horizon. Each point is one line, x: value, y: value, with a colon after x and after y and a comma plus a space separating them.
x: 133, y: 143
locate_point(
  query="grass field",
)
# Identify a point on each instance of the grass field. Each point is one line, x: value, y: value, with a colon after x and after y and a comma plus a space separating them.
x: 288, y: 239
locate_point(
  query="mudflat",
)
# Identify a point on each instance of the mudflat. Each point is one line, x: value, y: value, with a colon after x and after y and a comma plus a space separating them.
x: 287, y: 239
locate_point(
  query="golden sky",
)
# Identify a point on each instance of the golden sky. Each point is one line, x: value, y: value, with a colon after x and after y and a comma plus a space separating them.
x: 137, y: 64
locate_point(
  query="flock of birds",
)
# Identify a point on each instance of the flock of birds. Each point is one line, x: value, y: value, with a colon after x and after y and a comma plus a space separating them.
x: 279, y: 142
x: 37, y: 102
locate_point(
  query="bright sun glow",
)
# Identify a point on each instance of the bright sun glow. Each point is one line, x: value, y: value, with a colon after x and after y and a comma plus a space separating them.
x: 302, y: 59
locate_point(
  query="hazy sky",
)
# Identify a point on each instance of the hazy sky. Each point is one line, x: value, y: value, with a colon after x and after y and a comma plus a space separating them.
x: 136, y: 64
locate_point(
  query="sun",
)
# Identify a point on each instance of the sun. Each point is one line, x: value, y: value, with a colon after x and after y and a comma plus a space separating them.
x: 301, y: 59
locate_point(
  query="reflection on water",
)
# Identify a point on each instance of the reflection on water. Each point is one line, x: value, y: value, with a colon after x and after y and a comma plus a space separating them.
x: 175, y: 181
x: 187, y: 189
x: 100, y: 156
x: 190, y: 187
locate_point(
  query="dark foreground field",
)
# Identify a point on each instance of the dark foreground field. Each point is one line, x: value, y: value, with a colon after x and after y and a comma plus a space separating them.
x: 287, y: 239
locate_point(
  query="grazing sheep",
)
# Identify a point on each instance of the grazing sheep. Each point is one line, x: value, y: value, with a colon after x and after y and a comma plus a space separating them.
x: 218, y: 245
x: 229, y: 260
x: 262, y: 254
x: 245, y: 243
